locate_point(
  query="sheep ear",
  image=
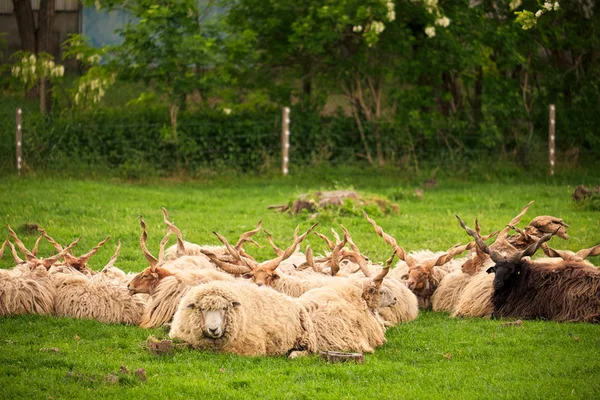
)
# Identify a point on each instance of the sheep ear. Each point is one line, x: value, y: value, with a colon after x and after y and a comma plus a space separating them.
x: 275, y: 276
x: 154, y: 275
x: 235, y: 304
x: 404, y: 277
x: 491, y: 269
x: 191, y: 306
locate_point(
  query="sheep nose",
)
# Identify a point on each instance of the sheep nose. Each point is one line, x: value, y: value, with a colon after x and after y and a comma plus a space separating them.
x: 213, y: 331
x: 259, y: 283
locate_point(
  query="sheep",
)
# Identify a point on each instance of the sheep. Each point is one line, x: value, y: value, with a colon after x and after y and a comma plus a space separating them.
x: 342, y: 320
x: 423, y: 275
x: 475, y: 300
x: 525, y: 288
x: 241, y: 318
x: 27, y: 288
x: 78, y: 296
x: 447, y: 296
x: 166, y: 286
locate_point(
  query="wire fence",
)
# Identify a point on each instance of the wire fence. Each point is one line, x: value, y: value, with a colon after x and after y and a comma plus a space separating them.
x: 141, y: 141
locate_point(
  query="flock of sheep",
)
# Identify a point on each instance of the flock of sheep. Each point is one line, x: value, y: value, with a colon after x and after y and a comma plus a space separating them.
x: 221, y: 298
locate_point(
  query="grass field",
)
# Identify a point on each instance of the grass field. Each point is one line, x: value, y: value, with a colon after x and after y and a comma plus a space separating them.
x: 432, y: 357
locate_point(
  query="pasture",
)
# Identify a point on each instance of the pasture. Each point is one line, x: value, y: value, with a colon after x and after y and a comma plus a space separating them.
x: 432, y: 357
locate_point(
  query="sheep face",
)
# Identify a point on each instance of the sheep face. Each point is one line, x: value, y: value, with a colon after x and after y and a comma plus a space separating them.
x: 212, y: 313
x: 378, y: 296
x: 505, y: 271
x: 262, y: 276
x: 417, y: 278
x: 147, y: 280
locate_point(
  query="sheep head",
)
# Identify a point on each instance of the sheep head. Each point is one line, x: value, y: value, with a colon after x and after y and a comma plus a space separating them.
x: 211, y: 308
x: 374, y: 293
x: 147, y: 280
x: 506, y: 265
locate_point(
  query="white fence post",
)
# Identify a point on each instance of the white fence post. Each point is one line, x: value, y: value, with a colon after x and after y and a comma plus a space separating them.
x: 551, y: 138
x: 285, y: 140
x: 19, y: 141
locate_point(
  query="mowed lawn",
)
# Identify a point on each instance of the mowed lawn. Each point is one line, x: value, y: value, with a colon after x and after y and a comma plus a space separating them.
x: 434, y: 356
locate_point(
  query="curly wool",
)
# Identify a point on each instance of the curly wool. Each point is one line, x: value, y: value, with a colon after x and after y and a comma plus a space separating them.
x: 80, y: 297
x: 23, y: 291
x: 265, y: 323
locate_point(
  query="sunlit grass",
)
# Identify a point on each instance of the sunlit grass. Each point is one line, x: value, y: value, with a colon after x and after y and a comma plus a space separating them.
x: 432, y: 357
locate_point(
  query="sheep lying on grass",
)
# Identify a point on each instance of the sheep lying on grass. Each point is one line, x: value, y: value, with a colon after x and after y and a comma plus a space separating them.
x: 166, y: 285
x: 242, y: 318
x: 525, y: 288
x: 27, y: 288
x: 424, y: 273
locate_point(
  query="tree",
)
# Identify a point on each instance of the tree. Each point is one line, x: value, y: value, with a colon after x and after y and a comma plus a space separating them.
x: 37, y: 38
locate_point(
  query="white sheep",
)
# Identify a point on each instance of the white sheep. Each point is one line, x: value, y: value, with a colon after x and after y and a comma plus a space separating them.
x: 241, y: 318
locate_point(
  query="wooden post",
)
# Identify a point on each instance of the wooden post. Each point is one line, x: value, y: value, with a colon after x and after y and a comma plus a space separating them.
x: 551, y: 137
x: 285, y: 140
x: 19, y: 141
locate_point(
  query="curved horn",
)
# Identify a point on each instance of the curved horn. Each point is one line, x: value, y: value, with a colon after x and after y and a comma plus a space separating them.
x: 400, y: 252
x: 326, y: 239
x: 2, y: 248
x: 176, y: 231
x: 277, y: 250
x: 57, y: 246
x: 47, y: 262
x: 529, y: 251
x: 247, y: 235
x: 480, y: 243
x: 274, y: 263
x: 233, y: 251
x: 34, y: 251
x: 149, y: 257
x: 113, y: 259
x: 81, y: 260
x: 349, y: 239
x: 378, y: 280
x: 225, y: 266
x: 16, y: 257
x: 28, y: 255
x: 336, y: 256
x: 592, y: 251
x: 513, y: 222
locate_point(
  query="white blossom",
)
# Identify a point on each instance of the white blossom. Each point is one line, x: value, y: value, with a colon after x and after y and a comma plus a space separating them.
x: 61, y: 70
x: 377, y: 26
x: 357, y: 28
x: 514, y: 4
x: 548, y: 6
x: 538, y: 13
x: 32, y: 58
x: 430, y: 31
x: 444, y: 21
x: 556, y: 5
x: 391, y: 14
x: 227, y: 111
x: 16, y: 70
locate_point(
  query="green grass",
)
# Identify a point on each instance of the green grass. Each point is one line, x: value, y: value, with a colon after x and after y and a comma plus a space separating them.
x: 432, y: 357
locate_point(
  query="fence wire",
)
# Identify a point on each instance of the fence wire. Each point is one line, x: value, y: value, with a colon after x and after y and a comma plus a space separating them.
x: 137, y: 143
